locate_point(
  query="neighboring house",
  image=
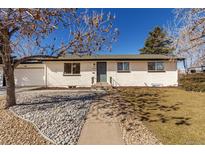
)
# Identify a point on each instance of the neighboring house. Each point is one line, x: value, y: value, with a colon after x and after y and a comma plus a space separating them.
x: 197, y: 69
x: 86, y: 71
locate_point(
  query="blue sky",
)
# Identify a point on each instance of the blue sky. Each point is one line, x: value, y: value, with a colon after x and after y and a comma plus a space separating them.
x: 134, y: 26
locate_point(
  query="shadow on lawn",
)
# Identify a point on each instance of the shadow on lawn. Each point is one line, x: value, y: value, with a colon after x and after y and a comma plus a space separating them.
x: 148, y: 106
x: 145, y: 105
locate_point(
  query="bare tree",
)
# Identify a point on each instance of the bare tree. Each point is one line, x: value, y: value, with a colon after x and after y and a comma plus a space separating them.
x: 188, y: 34
x: 23, y: 33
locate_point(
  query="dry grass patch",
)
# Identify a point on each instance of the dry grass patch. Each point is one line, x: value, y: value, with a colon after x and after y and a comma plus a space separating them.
x: 14, y: 130
x: 175, y: 116
x: 2, y: 102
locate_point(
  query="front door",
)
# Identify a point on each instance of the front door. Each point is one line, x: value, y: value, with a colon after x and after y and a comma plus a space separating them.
x: 101, y: 72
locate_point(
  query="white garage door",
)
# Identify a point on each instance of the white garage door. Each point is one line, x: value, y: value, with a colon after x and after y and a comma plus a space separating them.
x: 29, y: 77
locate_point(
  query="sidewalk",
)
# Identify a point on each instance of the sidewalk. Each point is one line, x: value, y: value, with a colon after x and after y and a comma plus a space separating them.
x: 100, y: 128
x: 18, y: 89
x: 103, y: 126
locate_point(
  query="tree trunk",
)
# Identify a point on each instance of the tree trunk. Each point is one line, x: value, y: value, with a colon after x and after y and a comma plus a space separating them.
x: 8, y: 68
x: 10, y: 87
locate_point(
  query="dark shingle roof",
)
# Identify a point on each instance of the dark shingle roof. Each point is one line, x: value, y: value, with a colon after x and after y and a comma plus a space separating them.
x: 114, y: 57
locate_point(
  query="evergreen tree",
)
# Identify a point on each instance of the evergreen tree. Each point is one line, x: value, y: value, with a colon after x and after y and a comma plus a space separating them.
x: 157, y: 43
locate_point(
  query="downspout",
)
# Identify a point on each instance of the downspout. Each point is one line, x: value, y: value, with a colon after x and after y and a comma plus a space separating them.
x: 46, y: 76
x: 185, y: 66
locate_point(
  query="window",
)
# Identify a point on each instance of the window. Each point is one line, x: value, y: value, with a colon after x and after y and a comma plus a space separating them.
x: 76, y: 68
x: 123, y: 67
x: 156, y: 66
x: 71, y: 68
x: 67, y: 68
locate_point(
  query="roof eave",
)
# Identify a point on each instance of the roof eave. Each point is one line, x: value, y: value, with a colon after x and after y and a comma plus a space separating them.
x: 110, y: 59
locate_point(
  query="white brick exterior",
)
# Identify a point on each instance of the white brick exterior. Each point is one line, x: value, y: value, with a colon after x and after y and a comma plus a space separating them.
x: 55, y: 75
x: 51, y: 74
x: 138, y: 75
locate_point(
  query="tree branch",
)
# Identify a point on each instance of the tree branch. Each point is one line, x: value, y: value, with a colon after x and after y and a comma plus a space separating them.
x: 13, y: 31
x: 29, y: 58
x: 193, y: 46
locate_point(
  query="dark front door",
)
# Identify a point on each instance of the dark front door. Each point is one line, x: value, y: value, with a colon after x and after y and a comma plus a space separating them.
x: 101, y: 72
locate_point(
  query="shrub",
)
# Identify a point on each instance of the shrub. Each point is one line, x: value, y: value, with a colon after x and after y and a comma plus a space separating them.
x: 193, y: 82
x: 2, y: 102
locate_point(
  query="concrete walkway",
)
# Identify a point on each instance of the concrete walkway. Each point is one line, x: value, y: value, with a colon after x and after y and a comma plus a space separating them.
x: 112, y: 121
x: 100, y: 128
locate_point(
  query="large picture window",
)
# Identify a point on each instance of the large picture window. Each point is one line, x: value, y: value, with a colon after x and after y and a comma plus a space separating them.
x: 123, y: 67
x: 156, y: 66
x: 71, y: 68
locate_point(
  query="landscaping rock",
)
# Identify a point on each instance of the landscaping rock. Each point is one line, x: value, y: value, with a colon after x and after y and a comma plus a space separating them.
x: 59, y: 115
x: 14, y: 130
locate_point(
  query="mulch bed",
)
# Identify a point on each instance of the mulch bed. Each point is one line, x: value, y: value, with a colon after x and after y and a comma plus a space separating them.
x: 14, y: 130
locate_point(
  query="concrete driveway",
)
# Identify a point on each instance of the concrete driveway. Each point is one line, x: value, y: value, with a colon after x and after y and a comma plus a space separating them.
x: 2, y: 91
x: 18, y: 89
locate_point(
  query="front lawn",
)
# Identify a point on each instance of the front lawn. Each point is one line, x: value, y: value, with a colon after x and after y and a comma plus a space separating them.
x: 173, y: 115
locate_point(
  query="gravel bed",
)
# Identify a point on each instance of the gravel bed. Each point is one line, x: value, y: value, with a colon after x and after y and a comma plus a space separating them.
x: 59, y: 115
x: 133, y: 130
